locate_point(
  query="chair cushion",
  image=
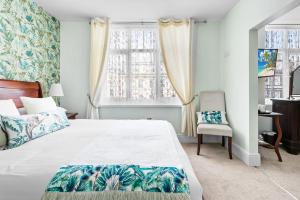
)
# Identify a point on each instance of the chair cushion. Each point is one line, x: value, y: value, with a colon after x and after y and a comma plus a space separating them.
x: 214, y: 129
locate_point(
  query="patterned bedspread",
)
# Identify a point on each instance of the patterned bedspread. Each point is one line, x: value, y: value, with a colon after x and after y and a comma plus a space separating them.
x: 115, y: 181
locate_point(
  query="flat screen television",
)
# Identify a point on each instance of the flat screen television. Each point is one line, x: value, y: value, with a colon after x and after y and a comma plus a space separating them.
x: 267, y: 62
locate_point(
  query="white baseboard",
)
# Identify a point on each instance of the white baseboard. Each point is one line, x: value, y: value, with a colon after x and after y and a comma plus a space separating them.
x: 193, y: 140
x: 252, y: 160
x: 186, y: 139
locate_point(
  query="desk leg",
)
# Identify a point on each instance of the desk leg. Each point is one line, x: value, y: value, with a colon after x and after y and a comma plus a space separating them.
x: 279, y: 136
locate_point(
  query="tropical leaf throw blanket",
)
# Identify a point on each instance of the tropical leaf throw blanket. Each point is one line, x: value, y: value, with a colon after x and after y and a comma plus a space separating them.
x: 130, y: 182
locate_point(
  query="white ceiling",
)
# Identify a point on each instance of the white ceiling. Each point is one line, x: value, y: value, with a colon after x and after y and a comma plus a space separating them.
x: 132, y: 10
x: 292, y: 17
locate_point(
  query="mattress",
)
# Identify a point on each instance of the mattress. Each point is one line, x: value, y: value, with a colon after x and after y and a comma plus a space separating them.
x: 26, y: 170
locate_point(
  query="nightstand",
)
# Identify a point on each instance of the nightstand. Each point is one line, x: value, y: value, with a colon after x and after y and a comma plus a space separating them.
x: 71, y: 115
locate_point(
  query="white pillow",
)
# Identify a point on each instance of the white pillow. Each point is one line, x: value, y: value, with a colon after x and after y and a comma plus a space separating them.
x: 38, y: 105
x: 8, y: 108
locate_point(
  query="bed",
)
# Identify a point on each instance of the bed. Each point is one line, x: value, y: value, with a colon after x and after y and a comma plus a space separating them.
x: 25, y: 171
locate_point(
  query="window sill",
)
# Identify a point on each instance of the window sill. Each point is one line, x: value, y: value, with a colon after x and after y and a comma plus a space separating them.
x: 141, y: 106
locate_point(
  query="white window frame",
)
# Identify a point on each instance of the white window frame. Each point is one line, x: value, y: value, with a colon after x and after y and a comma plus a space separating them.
x: 158, y: 101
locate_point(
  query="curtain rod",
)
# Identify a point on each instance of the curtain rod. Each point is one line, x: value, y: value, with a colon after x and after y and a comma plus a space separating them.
x: 150, y: 22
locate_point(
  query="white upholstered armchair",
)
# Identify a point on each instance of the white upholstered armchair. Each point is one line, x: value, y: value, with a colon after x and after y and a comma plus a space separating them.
x: 214, y: 101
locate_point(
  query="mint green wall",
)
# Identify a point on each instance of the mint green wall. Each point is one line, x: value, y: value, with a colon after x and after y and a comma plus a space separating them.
x: 206, y: 57
x: 238, y: 54
x: 74, y: 65
x: 29, y: 39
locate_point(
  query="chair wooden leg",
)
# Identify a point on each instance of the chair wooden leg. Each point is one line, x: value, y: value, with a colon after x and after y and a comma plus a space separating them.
x: 201, y: 138
x: 230, y: 147
x: 223, y: 141
x: 199, y: 142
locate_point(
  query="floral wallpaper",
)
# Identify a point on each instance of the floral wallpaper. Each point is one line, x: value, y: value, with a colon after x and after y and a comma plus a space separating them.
x: 29, y: 43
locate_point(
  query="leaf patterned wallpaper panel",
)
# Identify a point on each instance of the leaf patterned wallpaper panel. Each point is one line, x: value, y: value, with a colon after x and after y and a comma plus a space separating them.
x: 29, y: 43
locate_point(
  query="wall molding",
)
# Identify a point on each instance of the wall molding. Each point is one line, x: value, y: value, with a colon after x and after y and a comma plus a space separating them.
x: 252, y: 160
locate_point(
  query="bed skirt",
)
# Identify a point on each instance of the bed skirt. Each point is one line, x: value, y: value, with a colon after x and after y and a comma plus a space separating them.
x: 114, y: 195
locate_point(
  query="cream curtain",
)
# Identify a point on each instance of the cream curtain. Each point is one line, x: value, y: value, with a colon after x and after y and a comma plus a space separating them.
x: 98, y: 52
x: 175, y: 41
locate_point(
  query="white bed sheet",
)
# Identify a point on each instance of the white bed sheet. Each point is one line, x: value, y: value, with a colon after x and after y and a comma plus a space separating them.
x: 25, y: 171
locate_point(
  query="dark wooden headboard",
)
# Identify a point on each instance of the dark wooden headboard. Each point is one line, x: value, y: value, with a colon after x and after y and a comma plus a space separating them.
x: 10, y: 89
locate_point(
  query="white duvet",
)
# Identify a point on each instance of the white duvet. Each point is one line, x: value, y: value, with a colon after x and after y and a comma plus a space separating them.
x: 26, y: 170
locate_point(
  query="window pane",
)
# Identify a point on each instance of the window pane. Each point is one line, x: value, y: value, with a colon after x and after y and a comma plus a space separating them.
x: 166, y: 89
x: 293, y: 39
x: 278, y: 94
x: 277, y: 81
x: 278, y: 67
x: 143, y: 39
x: 117, y: 75
x: 117, y: 63
x: 273, y: 87
x: 294, y: 61
x: 117, y: 85
x: 279, y: 56
x: 119, y: 39
x: 143, y: 63
x: 274, y: 39
x: 143, y: 87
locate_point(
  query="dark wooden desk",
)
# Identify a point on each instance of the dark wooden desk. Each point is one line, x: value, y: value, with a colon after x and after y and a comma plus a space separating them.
x: 289, y: 123
x: 276, y: 117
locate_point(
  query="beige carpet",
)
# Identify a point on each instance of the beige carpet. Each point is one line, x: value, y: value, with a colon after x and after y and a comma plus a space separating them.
x: 222, y: 178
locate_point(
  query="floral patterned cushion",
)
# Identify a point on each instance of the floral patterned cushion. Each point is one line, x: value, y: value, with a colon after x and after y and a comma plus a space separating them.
x: 28, y: 127
x: 212, y: 117
x: 86, y: 178
x: 15, y: 130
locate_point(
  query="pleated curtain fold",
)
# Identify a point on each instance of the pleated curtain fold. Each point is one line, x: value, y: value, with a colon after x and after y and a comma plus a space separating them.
x: 98, y: 54
x: 175, y: 40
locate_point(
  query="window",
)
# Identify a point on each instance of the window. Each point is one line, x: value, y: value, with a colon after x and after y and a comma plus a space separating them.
x: 134, y: 70
x: 286, y: 40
